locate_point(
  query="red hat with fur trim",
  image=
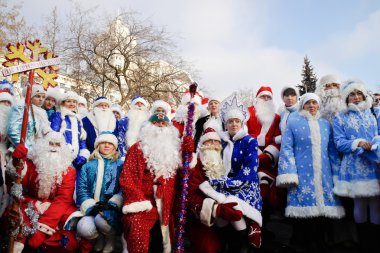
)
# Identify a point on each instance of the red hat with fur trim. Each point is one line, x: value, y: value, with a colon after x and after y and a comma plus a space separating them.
x: 264, y: 90
x: 209, y: 134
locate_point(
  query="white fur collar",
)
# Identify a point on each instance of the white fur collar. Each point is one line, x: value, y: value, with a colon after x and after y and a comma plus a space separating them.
x: 364, y: 105
x: 239, y: 135
x: 308, y: 116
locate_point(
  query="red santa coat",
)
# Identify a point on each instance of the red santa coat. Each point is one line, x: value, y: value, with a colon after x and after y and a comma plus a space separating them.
x: 202, y: 233
x: 141, y: 191
x: 51, y: 220
x: 264, y: 134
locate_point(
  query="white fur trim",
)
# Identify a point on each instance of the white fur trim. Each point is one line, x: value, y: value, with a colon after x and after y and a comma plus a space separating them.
x: 278, y: 139
x: 162, y: 104
x: 166, y: 239
x: 206, y: 188
x: 367, y: 188
x: 140, y: 99
x: 102, y: 100
x: 136, y: 207
x: 111, y: 138
x: 248, y: 210
x: 99, y: 179
x: 239, y: 225
x: 273, y: 150
x: 45, y: 228
x: 5, y: 96
x: 287, y: 180
x: 72, y: 221
x: 117, y: 199
x: 206, y: 213
x: 86, y: 205
x: 351, y: 85
x: 18, y: 247
x: 265, y: 92
x: 187, y: 99
x: 355, y: 144
x: 209, y: 136
x: 314, y: 211
x: 85, y: 153
x: 263, y: 132
x: 328, y: 79
x: 194, y: 161
x: 262, y: 176
x: 227, y: 152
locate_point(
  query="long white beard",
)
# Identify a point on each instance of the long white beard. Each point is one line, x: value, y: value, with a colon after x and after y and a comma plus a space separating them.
x: 105, y: 119
x: 331, y: 103
x: 135, y: 119
x: 161, y: 146
x: 50, y: 166
x: 212, y: 161
x: 265, y: 111
x: 4, y: 114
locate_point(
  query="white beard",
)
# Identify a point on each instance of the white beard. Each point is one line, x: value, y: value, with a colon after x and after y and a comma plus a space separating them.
x: 4, y: 114
x: 82, y: 112
x: 50, y: 166
x: 161, y: 146
x: 331, y: 103
x: 265, y: 111
x: 136, y: 118
x: 104, y: 119
x: 212, y: 161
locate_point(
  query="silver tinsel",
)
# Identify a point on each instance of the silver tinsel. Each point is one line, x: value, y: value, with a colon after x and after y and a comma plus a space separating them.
x: 16, y: 191
x: 33, y: 217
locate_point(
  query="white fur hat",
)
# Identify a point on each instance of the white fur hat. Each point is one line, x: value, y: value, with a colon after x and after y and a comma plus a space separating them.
x: 197, y: 99
x: 117, y: 108
x: 160, y: 103
x: 82, y: 100
x: 290, y: 87
x: 209, y: 134
x: 68, y: 95
x: 53, y: 92
x: 351, y: 85
x: 136, y: 99
x: 327, y: 79
x: 106, y: 136
x: 99, y: 100
x: 37, y: 89
x: 6, y: 96
x: 307, y: 97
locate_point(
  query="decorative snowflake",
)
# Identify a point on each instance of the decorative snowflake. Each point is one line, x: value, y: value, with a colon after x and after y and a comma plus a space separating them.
x: 246, y: 171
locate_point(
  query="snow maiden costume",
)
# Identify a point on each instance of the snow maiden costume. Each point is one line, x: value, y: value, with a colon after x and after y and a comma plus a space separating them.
x: 359, y: 174
x: 307, y: 160
x: 240, y: 182
x: 99, y: 196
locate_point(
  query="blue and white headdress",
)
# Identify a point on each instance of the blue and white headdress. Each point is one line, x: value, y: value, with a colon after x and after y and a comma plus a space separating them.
x: 232, y: 107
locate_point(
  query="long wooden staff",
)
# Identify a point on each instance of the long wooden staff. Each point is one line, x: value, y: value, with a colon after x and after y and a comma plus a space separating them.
x: 15, y: 208
x: 186, y: 158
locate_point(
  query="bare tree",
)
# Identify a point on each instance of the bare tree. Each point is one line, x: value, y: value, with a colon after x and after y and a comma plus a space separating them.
x: 13, y: 27
x: 52, y: 32
x: 124, y: 57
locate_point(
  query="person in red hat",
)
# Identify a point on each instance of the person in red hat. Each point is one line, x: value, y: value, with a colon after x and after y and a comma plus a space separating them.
x: 264, y: 125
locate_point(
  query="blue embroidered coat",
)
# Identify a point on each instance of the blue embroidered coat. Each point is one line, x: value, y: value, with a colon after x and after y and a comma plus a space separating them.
x: 38, y: 124
x: 122, y: 128
x: 241, y: 182
x: 358, y: 176
x: 307, y: 160
x: 104, y: 187
x: 70, y: 126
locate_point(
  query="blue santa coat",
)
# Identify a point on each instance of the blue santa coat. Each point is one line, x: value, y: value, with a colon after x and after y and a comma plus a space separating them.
x: 357, y: 176
x: 92, y: 133
x: 307, y: 160
x: 241, y: 182
x: 122, y: 128
x: 56, y: 124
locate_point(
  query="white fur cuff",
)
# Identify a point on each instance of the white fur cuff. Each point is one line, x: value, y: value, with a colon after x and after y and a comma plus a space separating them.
x: 86, y: 205
x: 287, y: 180
x: 206, y: 188
x: 207, y: 212
x: 136, y: 207
x: 278, y: 139
x: 85, y: 153
x: 117, y: 199
x: 273, y: 150
x: 45, y: 229
x: 355, y: 144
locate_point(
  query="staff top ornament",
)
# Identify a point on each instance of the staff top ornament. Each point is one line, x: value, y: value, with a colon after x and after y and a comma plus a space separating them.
x: 19, y: 60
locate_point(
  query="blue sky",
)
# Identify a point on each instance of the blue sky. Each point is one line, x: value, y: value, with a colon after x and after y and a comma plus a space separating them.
x: 243, y: 44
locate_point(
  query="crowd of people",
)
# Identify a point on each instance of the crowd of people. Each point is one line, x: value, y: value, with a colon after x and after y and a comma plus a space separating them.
x: 91, y: 179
